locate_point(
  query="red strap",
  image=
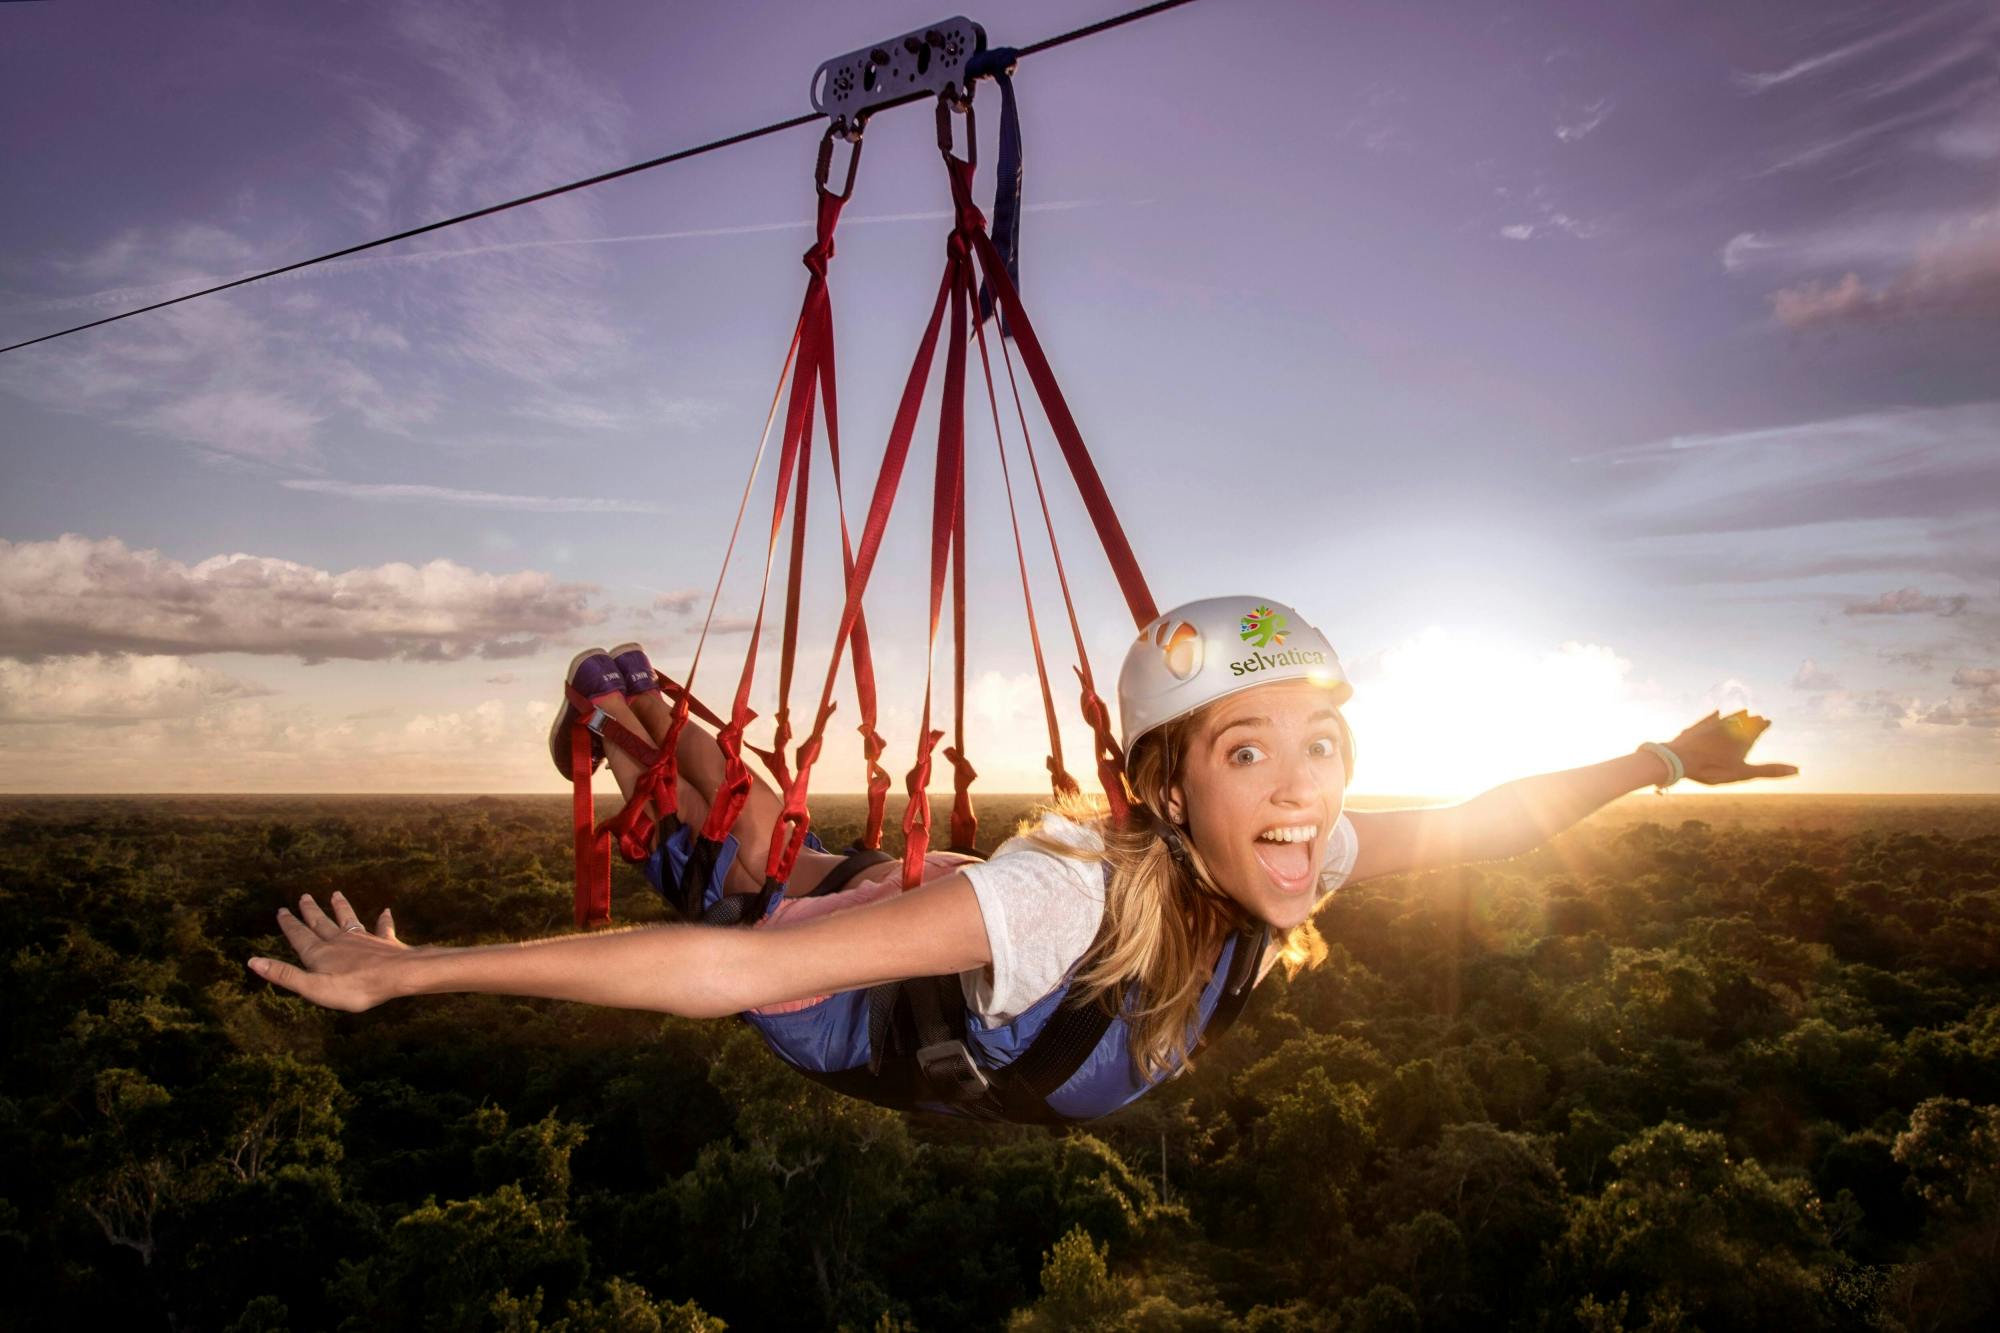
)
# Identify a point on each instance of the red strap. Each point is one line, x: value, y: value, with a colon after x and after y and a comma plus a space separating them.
x: 733, y: 792
x: 632, y: 827
x: 592, y: 848
x: 872, y: 745
x: 964, y: 823
x: 781, y: 736
x: 676, y: 691
x: 1139, y: 600
x: 794, y: 817
x: 1059, y: 777
x: 946, y: 491
x: 1088, y: 484
x: 1049, y: 526
x: 682, y: 695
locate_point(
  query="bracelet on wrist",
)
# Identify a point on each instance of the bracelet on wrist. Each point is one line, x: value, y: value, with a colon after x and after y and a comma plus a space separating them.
x: 1675, y: 769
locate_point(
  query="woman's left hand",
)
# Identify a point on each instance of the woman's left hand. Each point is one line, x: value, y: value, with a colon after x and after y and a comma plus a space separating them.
x: 1715, y: 749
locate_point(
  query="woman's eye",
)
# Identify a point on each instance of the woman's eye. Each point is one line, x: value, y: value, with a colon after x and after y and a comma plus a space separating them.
x: 1245, y: 754
x: 1323, y: 749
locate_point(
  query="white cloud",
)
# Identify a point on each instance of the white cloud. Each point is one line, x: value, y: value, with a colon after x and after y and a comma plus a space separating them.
x: 262, y: 745
x: 1976, y: 702
x: 1915, y: 86
x: 1881, y: 708
x: 1575, y: 129
x: 1878, y: 242
x: 1935, y: 465
x: 1973, y: 136
x: 489, y: 723
x: 1812, y: 679
x: 1550, y: 218
x: 76, y: 595
x: 247, y: 423
x: 112, y: 688
x: 1907, y: 602
x: 458, y: 111
x: 1742, y: 249
x: 1953, y: 273
x: 1834, y: 57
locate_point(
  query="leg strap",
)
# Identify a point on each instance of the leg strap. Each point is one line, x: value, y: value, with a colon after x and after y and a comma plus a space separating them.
x: 858, y: 859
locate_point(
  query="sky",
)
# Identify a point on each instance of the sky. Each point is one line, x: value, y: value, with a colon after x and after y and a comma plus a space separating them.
x: 1577, y: 368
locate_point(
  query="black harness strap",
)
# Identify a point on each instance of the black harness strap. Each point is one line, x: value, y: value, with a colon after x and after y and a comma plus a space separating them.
x: 918, y: 1052
x: 747, y: 909
x: 858, y: 859
x: 1073, y: 1033
x: 1244, y: 968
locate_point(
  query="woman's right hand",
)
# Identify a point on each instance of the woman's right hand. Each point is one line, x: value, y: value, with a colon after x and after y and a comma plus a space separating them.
x: 342, y: 964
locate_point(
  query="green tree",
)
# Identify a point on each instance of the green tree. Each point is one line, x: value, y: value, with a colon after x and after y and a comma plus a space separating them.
x: 1079, y: 1295
x: 1952, y: 1150
x: 1502, y: 1195
x: 1420, y: 1099
x: 1309, y: 1149
x: 621, y: 1307
x: 271, y: 1111
x: 1686, y: 1224
x: 443, y: 1265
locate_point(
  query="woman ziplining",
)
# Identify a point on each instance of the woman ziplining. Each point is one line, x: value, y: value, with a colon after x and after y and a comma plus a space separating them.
x: 1237, y: 832
x: 1098, y: 950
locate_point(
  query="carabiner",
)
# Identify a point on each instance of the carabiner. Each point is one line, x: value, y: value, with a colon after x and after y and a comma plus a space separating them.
x: 946, y: 104
x: 825, y: 164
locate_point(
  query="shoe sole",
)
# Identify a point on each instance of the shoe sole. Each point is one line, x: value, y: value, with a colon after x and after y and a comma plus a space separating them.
x: 558, y: 732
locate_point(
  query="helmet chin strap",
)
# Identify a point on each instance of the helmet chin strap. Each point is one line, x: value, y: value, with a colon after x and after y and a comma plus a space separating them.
x: 1171, y: 836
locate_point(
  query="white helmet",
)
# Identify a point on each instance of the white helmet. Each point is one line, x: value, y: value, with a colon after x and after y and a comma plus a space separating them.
x: 1207, y: 650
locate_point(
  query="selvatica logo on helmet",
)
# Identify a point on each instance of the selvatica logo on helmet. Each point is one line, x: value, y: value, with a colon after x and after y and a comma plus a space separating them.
x: 1265, y: 661
x: 1265, y: 628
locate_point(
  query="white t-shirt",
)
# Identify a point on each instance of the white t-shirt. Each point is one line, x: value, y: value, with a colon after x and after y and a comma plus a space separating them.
x: 1042, y: 911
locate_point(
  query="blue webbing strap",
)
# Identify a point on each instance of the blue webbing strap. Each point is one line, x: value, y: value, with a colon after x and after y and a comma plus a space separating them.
x: 997, y: 63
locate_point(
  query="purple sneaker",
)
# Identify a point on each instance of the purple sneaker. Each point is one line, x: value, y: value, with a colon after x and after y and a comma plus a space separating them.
x: 593, y: 675
x: 638, y: 671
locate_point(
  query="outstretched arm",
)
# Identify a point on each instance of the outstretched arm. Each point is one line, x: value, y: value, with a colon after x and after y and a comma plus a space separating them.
x: 695, y: 971
x: 1520, y: 815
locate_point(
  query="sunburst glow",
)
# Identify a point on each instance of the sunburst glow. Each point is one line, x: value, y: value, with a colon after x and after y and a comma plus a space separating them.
x: 1449, y: 715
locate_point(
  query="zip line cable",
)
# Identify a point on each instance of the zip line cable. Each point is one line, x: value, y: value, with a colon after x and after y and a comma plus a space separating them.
x: 1089, y: 30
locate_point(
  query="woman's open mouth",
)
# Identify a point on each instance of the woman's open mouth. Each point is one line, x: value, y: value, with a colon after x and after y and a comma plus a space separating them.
x: 1287, y: 855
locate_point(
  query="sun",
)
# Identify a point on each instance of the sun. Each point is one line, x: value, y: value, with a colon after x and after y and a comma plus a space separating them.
x: 1450, y: 715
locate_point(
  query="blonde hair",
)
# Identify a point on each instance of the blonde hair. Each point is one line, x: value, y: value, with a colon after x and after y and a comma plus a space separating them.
x: 1164, y: 922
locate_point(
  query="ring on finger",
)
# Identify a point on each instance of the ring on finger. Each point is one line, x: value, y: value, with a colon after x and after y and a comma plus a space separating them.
x: 356, y: 926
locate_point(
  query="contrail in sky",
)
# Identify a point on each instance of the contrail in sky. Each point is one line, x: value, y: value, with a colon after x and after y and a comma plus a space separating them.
x: 116, y: 296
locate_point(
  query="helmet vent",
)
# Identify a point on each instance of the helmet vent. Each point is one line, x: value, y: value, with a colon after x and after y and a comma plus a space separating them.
x: 1182, y: 647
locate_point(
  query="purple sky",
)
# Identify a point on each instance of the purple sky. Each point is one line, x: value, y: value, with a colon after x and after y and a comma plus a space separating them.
x: 1577, y: 367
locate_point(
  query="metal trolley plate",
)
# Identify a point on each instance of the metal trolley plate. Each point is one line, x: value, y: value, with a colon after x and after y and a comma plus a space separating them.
x: 926, y: 62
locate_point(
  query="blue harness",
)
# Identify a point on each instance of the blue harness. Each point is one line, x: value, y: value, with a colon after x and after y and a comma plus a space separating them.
x: 912, y: 1045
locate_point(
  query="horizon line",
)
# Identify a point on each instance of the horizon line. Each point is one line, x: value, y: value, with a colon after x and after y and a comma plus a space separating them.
x: 385, y: 794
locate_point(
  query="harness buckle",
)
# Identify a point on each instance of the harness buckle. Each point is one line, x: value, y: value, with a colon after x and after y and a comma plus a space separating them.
x: 950, y: 1069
